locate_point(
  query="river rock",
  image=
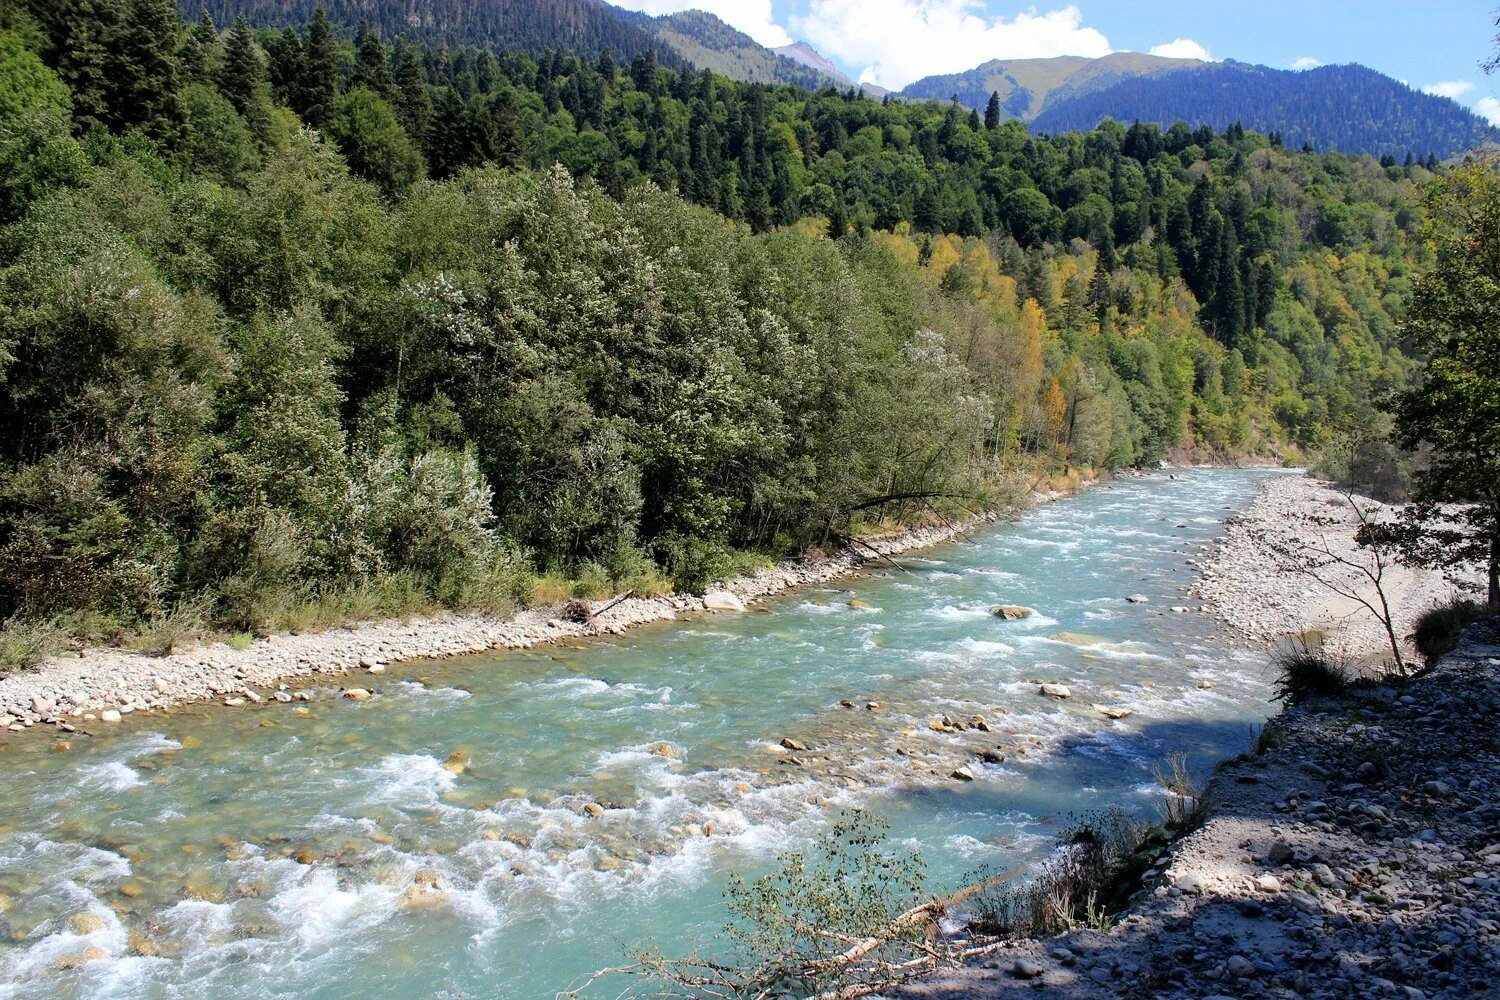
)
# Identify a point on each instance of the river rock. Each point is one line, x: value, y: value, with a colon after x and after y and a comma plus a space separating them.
x: 1025, y: 968
x: 858, y: 605
x: 1055, y: 691
x: 109, y: 715
x: 790, y: 744
x: 356, y: 694
x: 722, y: 600
x: 1138, y: 599
x: 1011, y: 612
x: 1114, y: 711
x: 962, y: 773
x: 86, y: 923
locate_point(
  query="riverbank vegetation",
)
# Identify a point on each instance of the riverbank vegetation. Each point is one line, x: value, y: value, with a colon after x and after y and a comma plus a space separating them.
x: 294, y: 325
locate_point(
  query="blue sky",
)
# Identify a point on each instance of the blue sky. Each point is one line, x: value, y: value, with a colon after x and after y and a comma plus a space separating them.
x: 1435, y: 44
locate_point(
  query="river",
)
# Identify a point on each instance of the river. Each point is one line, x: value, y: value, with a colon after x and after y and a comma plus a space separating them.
x: 445, y: 838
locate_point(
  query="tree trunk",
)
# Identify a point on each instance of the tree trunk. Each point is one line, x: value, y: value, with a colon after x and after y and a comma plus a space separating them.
x: 1495, y: 571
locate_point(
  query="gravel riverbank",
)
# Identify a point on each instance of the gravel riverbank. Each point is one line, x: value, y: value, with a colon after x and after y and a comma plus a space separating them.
x: 1244, y: 582
x: 104, y: 685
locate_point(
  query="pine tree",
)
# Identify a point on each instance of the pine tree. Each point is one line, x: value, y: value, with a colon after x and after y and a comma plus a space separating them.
x: 241, y: 75
x: 838, y: 218
x: 199, y: 55
x: 1099, y: 294
x: 320, y: 71
x: 370, y: 68
x: 147, y: 66
x: 413, y: 105
x: 992, y: 111
x: 508, y: 142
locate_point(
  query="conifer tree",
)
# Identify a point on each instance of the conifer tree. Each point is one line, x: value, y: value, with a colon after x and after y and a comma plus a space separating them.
x: 242, y: 74
x: 199, y: 54
x: 413, y: 105
x: 370, y: 69
x: 320, y: 71
x: 992, y: 111
x: 147, y: 67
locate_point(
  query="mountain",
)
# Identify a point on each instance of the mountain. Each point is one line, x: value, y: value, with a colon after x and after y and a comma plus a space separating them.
x: 810, y: 57
x: 1028, y: 86
x: 583, y: 27
x: 708, y: 43
x: 1353, y: 109
x: 1350, y: 108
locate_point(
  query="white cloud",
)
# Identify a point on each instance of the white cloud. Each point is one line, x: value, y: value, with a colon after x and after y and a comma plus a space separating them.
x: 1307, y: 62
x: 1451, y: 88
x: 893, y: 42
x: 1182, y: 48
x: 1488, y: 108
x: 753, y: 17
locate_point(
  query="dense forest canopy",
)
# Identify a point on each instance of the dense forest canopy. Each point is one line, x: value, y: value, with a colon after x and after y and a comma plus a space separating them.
x: 285, y: 315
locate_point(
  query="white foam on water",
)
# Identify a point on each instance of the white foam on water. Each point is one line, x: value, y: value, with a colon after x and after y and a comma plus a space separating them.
x: 317, y: 908
x: 575, y: 687
x: 42, y: 957
x: 440, y: 693
x: 987, y: 649
x: 109, y: 776
x: 407, y: 779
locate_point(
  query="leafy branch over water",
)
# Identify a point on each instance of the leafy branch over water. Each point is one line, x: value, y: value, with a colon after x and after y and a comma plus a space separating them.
x: 856, y: 916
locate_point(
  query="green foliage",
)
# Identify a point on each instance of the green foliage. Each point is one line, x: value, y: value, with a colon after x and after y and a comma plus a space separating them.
x: 27, y: 86
x: 27, y: 643
x: 374, y: 143
x: 269, y: 372
x: 1455, y: 408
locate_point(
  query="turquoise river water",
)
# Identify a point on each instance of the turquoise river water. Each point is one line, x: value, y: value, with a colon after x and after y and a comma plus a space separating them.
x: 330, y: 853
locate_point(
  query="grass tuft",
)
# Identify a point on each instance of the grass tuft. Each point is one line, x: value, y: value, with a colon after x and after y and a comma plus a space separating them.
x: 1304, y: 672
x: 1438, y: 628
x: 26, y: 643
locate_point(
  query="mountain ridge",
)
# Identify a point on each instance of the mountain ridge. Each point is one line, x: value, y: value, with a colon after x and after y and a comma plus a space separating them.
x: 1351, y: 109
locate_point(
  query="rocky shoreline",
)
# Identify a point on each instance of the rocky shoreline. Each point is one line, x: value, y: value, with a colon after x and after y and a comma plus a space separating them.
x: 104, y: 686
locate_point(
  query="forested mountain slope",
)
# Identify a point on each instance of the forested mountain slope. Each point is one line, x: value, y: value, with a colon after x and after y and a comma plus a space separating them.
x: 1351, y: 108
x: 1026, y: 87
x: 584, y: 27
x: 1347, y: 108
x: 286, y: 319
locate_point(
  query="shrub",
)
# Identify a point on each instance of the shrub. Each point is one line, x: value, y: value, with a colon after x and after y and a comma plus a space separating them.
x: 27, y: 643
x: 1437, y: 629
x: 164, y: 634
x: 1303, y: 672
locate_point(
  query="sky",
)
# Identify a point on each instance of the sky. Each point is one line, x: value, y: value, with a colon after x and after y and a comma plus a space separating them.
x: 1434, y: 45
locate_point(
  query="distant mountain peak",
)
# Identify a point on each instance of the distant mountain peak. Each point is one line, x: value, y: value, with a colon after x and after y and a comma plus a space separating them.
x: 802, y: 52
